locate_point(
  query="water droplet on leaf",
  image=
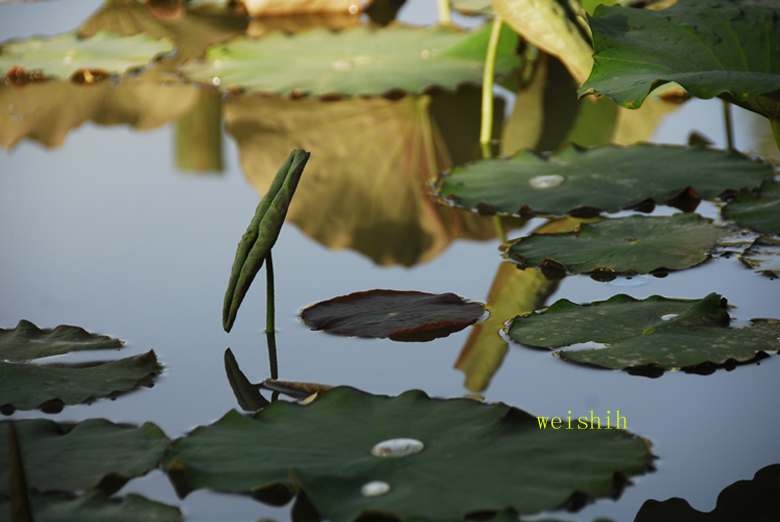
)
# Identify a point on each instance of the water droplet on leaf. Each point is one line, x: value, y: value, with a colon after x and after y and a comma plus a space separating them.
x: 375, y: 488
x: 397, y: 448
x: 668, y: 317
x: 548, y: 181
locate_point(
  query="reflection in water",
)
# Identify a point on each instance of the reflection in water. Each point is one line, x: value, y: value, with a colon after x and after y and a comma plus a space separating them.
x: 365, y: 188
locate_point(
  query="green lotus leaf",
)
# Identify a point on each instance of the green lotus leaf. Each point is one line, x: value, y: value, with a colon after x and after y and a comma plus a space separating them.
x: 93, y: 454
x: 639, y: 244
x: 755, y: 499
x: 758, y: 208
x: 355, y: 62
x: 606, y: 179
x: 455, y: 456
x: 763, y: 256
x: 401, y: 316
x: 25, y: 386
x: 473, y: 7
x: 649, y: 335
x: 709, y: 48
x: 61, y: 56
x: 94, y: 506
x: 27, y: 342
x: 262, y: 233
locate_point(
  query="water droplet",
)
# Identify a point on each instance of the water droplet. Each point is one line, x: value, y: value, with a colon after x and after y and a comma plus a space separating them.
x: 374, y: 488
x: 215, y: 80
x: 668, y: 317
x: 353, y: 9
x: 544, y: 182
x: 397, y: 448
x: 425, y: 54
x: 341, y: 65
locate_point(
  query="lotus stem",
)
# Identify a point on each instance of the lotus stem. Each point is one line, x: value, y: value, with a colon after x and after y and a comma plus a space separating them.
x: 776, y: 131
x: 486, y: 128
x: 729, y: 124
x: 270, y: 309
x: 444, y: 12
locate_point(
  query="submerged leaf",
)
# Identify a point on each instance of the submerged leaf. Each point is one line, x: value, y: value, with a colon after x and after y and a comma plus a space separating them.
x: 638, y: 244
x: 61, y: 56
x: 353, y: 453
x: 355, y: 62
x: 94, y: 506
x: 608, y: 179
x: 262, y: 233
x: 758, y: 208
x: 763, y: 256
x: 93, y: 454
x: 27, y: 342
x: 401, y: 316
x: 647, y: 336
x: 30, y: 386
x: 709, y: 48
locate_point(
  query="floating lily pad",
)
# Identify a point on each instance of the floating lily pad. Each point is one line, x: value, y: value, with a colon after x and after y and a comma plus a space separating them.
x: 354, y: 62
x: 94, y: 506
x: 755, y: 499
x: 607, y: 179
x: 638, y: 244
x: 61, y: 56
x: 409, y: 456
x: 262, y: 233
x: 27, y: 342
x: 763, y: 256
x: 93, y: 454
x: 759, y: 208
x: 30, y: 386
x: 401, y: 316
x: 647, y: 336
x: 709, y: 48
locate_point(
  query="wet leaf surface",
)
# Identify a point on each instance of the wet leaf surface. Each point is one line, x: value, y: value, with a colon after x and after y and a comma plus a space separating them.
x: 62, y: 56
x: 27, y: 342
x: 607, y: 179
x: 709, y: 48
x: 93, y: 454
x: 30, y: 386
x: 262, y: 233
x: 343, y: 450
x: 356, y: 62
x: 644, y: 336
x: 637, y: 244
x: 94, y: 506
x: 401, y: 316
x: 759, y: 208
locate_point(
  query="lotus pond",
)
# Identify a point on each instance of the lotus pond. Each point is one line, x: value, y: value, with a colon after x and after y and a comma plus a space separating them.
x: 135, y: 159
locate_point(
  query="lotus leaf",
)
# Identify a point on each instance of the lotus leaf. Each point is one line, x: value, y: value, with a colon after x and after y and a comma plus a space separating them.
x: 262, y: 233
x: 638, y: 244
x: 647, y: 336
x: 401, y: 316
x: 709, y: 48
x: 355, y: 62
x: 93, y: 454
x: 763, y: 256
x: 755, y: 499
x: 94, y: 506
x: 27, y: 341
x: 606, y: 179
x: 30, y: 386
x: 61, y: 56
x: 546, y: 25
x: 758, y: 208
x: 480, y: 457
x: 247, y: 394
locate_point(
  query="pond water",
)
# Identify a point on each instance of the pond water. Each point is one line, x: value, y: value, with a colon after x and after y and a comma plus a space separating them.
x: 106, y: 233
